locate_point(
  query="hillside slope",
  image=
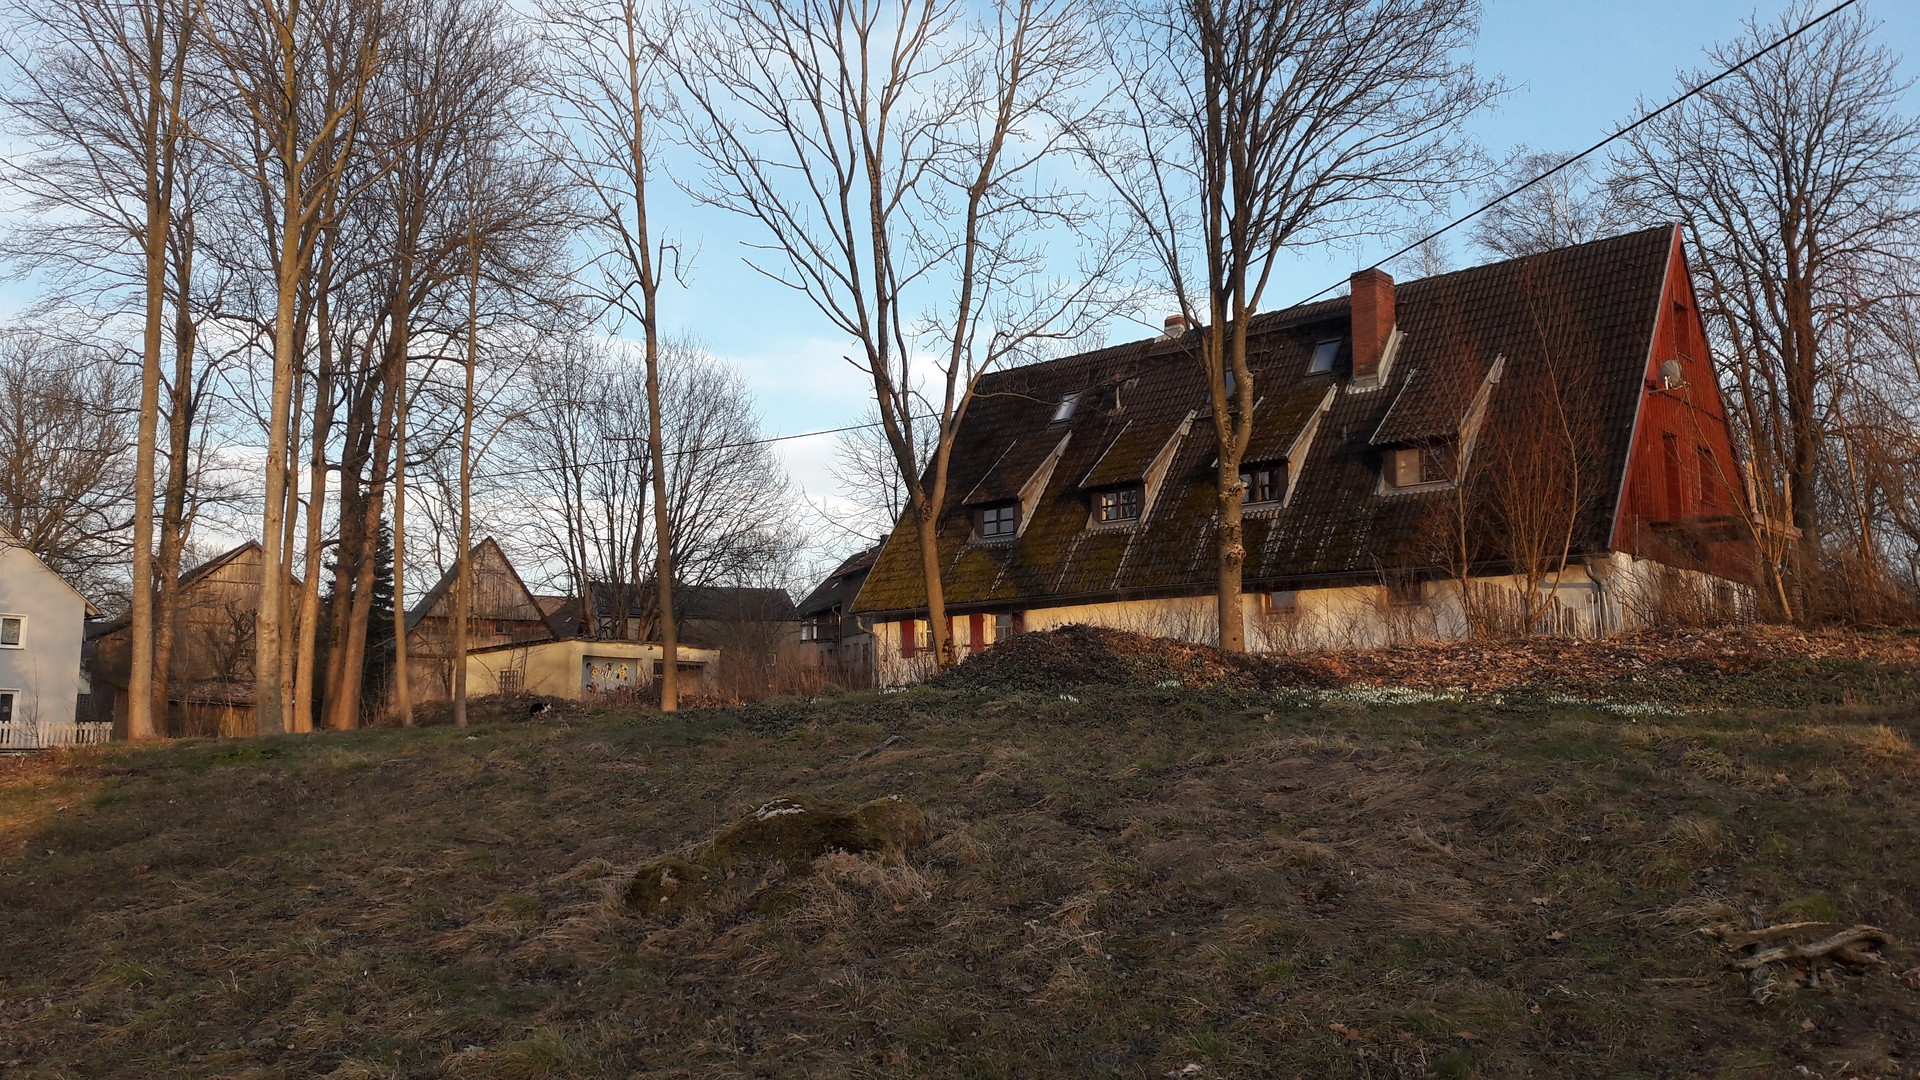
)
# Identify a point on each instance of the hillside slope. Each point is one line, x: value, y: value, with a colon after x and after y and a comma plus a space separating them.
x: 1131, y: 880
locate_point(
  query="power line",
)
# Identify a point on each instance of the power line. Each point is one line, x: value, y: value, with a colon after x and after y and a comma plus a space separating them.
x: 1589, y: 151
x: 530, y: 469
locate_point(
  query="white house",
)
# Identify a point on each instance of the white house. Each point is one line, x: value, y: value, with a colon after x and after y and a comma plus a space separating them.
x: 42, y: 621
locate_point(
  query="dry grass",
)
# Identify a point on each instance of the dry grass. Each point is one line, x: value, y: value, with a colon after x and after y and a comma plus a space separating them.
x: 1122, y: 885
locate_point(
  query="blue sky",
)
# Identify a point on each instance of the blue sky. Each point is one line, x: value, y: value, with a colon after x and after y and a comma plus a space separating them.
x: 1577, y: 69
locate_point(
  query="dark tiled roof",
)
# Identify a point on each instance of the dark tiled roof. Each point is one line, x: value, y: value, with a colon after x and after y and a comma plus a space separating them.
x: 838, y: 588
x: 1585, y: 314
x: 1430, y: 403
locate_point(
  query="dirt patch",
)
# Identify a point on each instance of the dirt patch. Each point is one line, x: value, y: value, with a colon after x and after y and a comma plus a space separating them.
x: 1077, y: 656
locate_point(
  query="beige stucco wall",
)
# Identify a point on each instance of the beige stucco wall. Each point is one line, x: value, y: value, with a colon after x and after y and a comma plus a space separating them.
x: 1606, y: 594
x: 555, y: 668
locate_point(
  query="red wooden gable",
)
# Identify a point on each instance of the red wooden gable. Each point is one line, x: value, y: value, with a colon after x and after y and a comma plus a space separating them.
x: 1683, y: 499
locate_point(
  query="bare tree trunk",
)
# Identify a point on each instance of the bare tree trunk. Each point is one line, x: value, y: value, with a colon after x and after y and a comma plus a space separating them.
x: 345, y: 713
x: 309, y: 621
x: 173, y: 517
x: 288, y: 599
x: 402, y: 686
x: 463, y: 563
x: 268, y: 629
x: 663, y: 546
x: 140, y: 691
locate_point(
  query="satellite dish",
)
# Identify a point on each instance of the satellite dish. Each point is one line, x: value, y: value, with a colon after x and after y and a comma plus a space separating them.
x: 1671, y: 376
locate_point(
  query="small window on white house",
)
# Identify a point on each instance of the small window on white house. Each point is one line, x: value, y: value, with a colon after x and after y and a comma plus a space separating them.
x: 6, y: 706
x: 1064, y: 411
x: 13, y: 631
x: 1323, y: 354
x: 1003, y: 626
x: 997, y: 521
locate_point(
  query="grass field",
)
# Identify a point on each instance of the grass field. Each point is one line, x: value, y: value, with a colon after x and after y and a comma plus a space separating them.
x: 1121, y: 882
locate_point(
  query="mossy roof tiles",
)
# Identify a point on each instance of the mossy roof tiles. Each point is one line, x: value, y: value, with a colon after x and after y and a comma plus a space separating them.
x: 1582, y: 315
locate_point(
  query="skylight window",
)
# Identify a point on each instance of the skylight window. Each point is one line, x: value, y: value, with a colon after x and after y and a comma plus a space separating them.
x: 1323, y: 354
x: 1064, y: 411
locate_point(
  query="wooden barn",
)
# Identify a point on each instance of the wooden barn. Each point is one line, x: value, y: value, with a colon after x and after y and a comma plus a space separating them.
x: 210, y: 667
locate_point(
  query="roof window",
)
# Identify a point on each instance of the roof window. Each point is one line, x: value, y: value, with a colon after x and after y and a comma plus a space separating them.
x: 1064, y: 411
x: 1122, y: 504
x: 1323, y: 354
x: 999, y: 521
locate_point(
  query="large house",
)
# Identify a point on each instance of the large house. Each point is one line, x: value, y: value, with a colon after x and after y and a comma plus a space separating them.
x: 42, y: 624
x: 1084, y: 489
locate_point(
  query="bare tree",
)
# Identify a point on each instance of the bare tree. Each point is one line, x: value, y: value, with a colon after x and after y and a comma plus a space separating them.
x: 299, y: 75
x: 571, y: 463
x: 1250, y: 128
x: 1796, y: 181
x: 900, y: 156
x: 873, y: 494
x: 576, y: 468
x: 609, y: 94
x: 1570, y: 207
x: 102, y: 89
x: 66, y: 491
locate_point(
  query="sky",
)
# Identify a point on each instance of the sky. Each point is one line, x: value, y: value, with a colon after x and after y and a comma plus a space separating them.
x: 1577, y: 70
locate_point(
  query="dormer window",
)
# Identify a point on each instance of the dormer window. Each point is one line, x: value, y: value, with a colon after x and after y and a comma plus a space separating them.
x: 1064, y: 411
x: 1323, y: 355
x: 994, y: 522
x: 1265, y: 482
x: 1416, y: 465
x: 1119, y: 504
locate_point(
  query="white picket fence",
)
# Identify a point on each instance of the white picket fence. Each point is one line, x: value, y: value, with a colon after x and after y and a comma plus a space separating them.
x: 27, y: 735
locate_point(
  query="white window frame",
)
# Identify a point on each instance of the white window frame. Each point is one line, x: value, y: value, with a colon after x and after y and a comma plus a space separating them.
x: 13, y: 711
x: 23, y: 629
x: 1118, y: 495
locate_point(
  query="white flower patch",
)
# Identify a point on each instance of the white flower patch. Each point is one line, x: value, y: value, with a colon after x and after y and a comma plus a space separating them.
x: 1619, y: 708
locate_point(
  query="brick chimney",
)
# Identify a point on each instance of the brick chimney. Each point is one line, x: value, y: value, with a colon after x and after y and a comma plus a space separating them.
x: 1372, y: 322
x: 1175, y: 326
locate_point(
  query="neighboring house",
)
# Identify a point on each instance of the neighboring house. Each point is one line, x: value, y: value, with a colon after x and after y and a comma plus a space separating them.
x: 518, y: 642
x: 830, y: 637
x: 42, y: 624
x: 1084, y: 489
x: 503, y: 612
x: 210, y: 678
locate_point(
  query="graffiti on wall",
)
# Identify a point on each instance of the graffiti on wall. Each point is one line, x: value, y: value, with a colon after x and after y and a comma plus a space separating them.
x: 604, y: 673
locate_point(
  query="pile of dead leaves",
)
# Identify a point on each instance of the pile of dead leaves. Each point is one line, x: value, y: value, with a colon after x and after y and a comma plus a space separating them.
x: 1544, y: 662
x: 1082, y: 656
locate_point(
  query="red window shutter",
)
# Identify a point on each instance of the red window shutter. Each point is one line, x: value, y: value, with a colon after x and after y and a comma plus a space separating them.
x: 976, y: 632
x: 906, y: 638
